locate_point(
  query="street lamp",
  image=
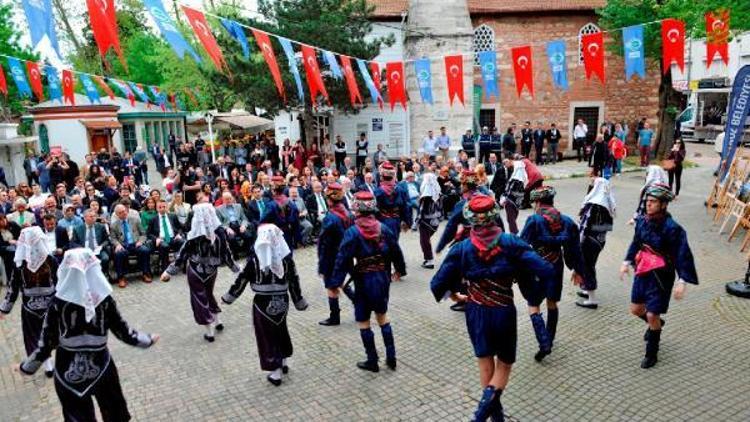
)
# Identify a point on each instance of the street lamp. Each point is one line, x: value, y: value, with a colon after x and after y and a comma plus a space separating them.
x: 210, y: 119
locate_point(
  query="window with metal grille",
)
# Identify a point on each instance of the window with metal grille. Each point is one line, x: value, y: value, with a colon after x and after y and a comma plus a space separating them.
x: 487, y: 118
x: 128, y: 137
x: 589, y: 28
x: 484, y: 40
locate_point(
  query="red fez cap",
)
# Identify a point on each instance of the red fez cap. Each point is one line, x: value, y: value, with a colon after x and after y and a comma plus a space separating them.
x: 469, y: 173
x: 481, y: 203
x: 387, y: 165
x: 278, y: 179
x: 333, y: 186
x: 364, y: 195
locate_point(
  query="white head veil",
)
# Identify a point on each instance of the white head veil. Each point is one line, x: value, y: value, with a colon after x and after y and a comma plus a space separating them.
x: 656, y: 174
x: 519, y: 172
x: 31, y: 247
x: 430, y: 187
x: 601, y: 194
x: 205, y: 222
x: 80, y: 280
x: 271, y: 249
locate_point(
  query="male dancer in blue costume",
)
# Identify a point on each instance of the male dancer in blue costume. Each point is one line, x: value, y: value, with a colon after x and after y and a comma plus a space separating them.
x: 393, y: 201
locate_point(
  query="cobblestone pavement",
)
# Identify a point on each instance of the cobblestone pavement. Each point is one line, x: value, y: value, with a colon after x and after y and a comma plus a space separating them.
x: 593, y: 374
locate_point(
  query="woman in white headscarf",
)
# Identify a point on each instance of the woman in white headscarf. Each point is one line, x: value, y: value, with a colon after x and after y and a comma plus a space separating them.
x: 272, y: 276
x: 77, y: 322
x: 654, y: 175
x: 428, y: 216
x: 597, y: 215
x: 204, y: 251
x: 34, y: 277
x: 512, y: 199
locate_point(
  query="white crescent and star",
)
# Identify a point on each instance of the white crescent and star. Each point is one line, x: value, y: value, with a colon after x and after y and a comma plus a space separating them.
x: 522, y: 61
x: 454, y: 70
x: 673, y: 35
x: 717, y: 25
x: 593, y: 49
x: 198, y: 24
x: 396, y: 76
x: 103, y: 5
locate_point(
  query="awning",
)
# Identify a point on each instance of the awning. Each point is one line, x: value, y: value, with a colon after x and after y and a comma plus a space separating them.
x: 101, y: 124
x: 247, y: 122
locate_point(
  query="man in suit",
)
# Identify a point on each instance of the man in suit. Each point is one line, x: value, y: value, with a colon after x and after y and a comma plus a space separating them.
x: 492, y: 166
x: 553, y: 140
x: 165, y: 233
x: 131, y: 167
x: 367, y: 183
x: 235, y: 222
x: 501, y: 177
x: 526, y: 139
x: 57, y: 237
x: 539, y: 135
x: 128, y: 238
x: 94, y: 236
x: 317, y: 205
x: 256, y: 206
x: 306, y: 226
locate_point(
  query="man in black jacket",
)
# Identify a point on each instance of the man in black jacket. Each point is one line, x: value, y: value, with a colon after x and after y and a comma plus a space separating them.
x: 526, y: 141
x: 553, y: 141
x: 539, y: 135
x: 166, y: 233
x: 501, y: 177
x: 256, y: 206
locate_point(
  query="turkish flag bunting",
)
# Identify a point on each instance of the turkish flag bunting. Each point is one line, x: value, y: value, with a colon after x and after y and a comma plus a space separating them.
x: 3, y: 82
x: 375, y: 70
x: 191, y: 97
x: 68, y: 84
x: 312, y: 72
x: 351, y: 81
x: 172, y: 100
x: 104, y: 26
x: 717, y: 34
x: 200, y: 27
x: 673, y: 44
x: 394, y: 71
x: 103, y: 85
x: 593, y: 54
x: 264, y: 43
x: 454, y: 75
x: 36, y: 80
x: 141, y: 91
x: 523, y: 69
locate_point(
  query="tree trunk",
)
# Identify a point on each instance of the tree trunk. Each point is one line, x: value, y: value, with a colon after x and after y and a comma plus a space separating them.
x: 666, y: 126
x: 62, y: 14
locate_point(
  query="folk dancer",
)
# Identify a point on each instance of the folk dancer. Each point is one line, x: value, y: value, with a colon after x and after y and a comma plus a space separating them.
x: 488, y: 263
x: 513, y: 197
x: 428, y: 216
x: 374, y: 247
x: 658, y: 251
x: 34, y: 277
x: 204, y: 251
x: 554, y: 237
x: 77, y: 322
x: 654, y: 175
x: 272, y: 276
x: 393, y: 201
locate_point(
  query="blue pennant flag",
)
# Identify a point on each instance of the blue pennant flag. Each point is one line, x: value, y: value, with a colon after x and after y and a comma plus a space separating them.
x: 238, y: 33
x: 41, y: 22
x: 632, y: 39
x: 161, y: 98
x: 53, y: 83
x: 424, y: 79
x: 19, y: 77
x: 139, y: 92
x: 488, y: 64
x: 90, y: 88
x: 169, y: 30
x: 557, y: 65
x: 374, y: 94
x: 333, y: 64
x: 289, y: 51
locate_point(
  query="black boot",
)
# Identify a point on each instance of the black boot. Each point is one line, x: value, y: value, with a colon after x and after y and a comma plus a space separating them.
x: 542, y: 337
x: 652, y: 349
x: 485, y: 405
x: 335, y: 315
x: 643, y: 317
x: 368, y: 340
x: 390, y: 346
x: 496, y: 411
x: 552, y: 318
x: 348, y: 292
x: 459, y: 307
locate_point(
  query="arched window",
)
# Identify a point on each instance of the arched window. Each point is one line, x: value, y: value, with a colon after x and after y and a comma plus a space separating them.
x: 484, y: 40
x: 589, y: 28
x: 43, y: 139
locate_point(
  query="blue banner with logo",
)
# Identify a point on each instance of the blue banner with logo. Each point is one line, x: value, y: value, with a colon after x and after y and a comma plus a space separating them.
x: 289, y: 51
x: 90, y: 88
x: 557, y: 63
x: 238, y: 33
x: 424, y: 79
x: 330, y: 59
x: 739, y: 108
x: 19, y: 77
x: 169, y: 30
x: 488, y: 64
x: 53, y: 83
x: 635, y: 63
x: 41, y: 22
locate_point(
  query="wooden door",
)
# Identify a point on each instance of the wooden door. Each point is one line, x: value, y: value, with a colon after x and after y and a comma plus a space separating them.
x: 99, y: 140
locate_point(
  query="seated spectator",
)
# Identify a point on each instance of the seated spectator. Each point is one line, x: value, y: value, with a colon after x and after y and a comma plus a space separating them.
x: 306, y: 227
x: 256, y: 207
x: 180, y: 209
x: 131, y: 212
x: 92, y: 234
x: 6, y: 206
x: 128, y: 239
x: 77, y: 202
x: 36, y: 200
x: 126, y: 193
x: 9, y: 232
x: 21, y: 216
x: 61, y: 195
x: 70, y: 220
x: 166, y: 233
x: 101, y: 215
x: 148, y: 213
x: 58, y: 240
x: 235, y: 222
x: 317, y: 205
x: 50, y: 207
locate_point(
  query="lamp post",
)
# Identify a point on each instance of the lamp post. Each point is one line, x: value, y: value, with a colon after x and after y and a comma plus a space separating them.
x: 210, y: 119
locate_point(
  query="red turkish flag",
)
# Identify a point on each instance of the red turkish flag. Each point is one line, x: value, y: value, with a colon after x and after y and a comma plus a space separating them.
x: 394, y: 71
x: 673, y: 44
x: 100, y: 81
x: 523, y: 69
x: 35, y: 78
x: 173, y: 100
x: 203, y: 32
x: 717, y: 34
x: 375, y: 70
x: 593, y: 55
x: 351, y: 80
x: 3, y: 82
x: 454, y: 75
x: 312, y: 72
x: 264, y: 43
x: 104, y: 26
x: 69, y: 85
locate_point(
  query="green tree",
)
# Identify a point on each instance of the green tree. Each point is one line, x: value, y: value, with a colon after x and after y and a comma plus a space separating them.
x: 622, y: 13
x: 10, y: 45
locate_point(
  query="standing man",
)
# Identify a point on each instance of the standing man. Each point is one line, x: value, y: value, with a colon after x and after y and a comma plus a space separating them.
x: 485, y: 145
x: 526, y: 140
x: 339, y: 151
x: 444, y: 143
x: 30, y: 165
x: 165, y: 231
x: 553, y: 141
x: 200, y: 145
x: 539, y: 135
x: 393, y: 201
x: 361, y: 151
x: 468, y: 143
x: 429, y: 146
x: 380, y: 155
x: 644, y: 143
x: 580, y: 131
x: 172, y: 141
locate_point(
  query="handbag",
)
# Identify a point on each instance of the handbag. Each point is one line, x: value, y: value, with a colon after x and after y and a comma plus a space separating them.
x: 668, y: 165
x: 648, y: 260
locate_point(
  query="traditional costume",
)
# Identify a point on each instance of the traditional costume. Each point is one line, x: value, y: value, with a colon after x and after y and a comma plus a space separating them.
x: 488, y: 263
x: 76, y: 324
x: 654, y: 175
x: 204, y: 251
x: 597, y: 214
x: 282, y: 213
x: 393, y: 200
x: 272, y: 276
x: 554, y: 237
x: 336, y: 222
x: 34, y: 277
x: 374, y: 247
x: 428, y: 216
x: 513, y: 197
x: 659, y: 250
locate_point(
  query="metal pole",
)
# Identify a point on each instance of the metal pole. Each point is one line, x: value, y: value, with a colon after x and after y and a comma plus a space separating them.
x: 210, y: 119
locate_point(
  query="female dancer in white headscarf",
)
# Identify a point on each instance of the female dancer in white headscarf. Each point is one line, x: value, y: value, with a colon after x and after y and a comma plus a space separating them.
x: 34, y: 277
x: 597, y: 214
x: 654, y: 175
x: 512, y: 199
x: 428, y: 216
x: 77, y: 322
x: 272, y: 275
x: 204, y: 251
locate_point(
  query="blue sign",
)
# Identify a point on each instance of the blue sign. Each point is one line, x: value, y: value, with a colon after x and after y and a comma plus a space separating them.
x: 238, y: 33
x: 488, y: 64
x: 557, y: 63
x: 90, y: 88
x: 169, y: 30
x: 739, y: 108
x: 424, y: 79
x: 19, y: 77
x: 289, y: 51
x: 635, y: 63
x: 53, y: 83
x: 41, y: 22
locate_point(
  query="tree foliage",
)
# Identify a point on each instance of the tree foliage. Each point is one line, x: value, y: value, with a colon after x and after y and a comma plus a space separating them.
x: 10, y: 45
